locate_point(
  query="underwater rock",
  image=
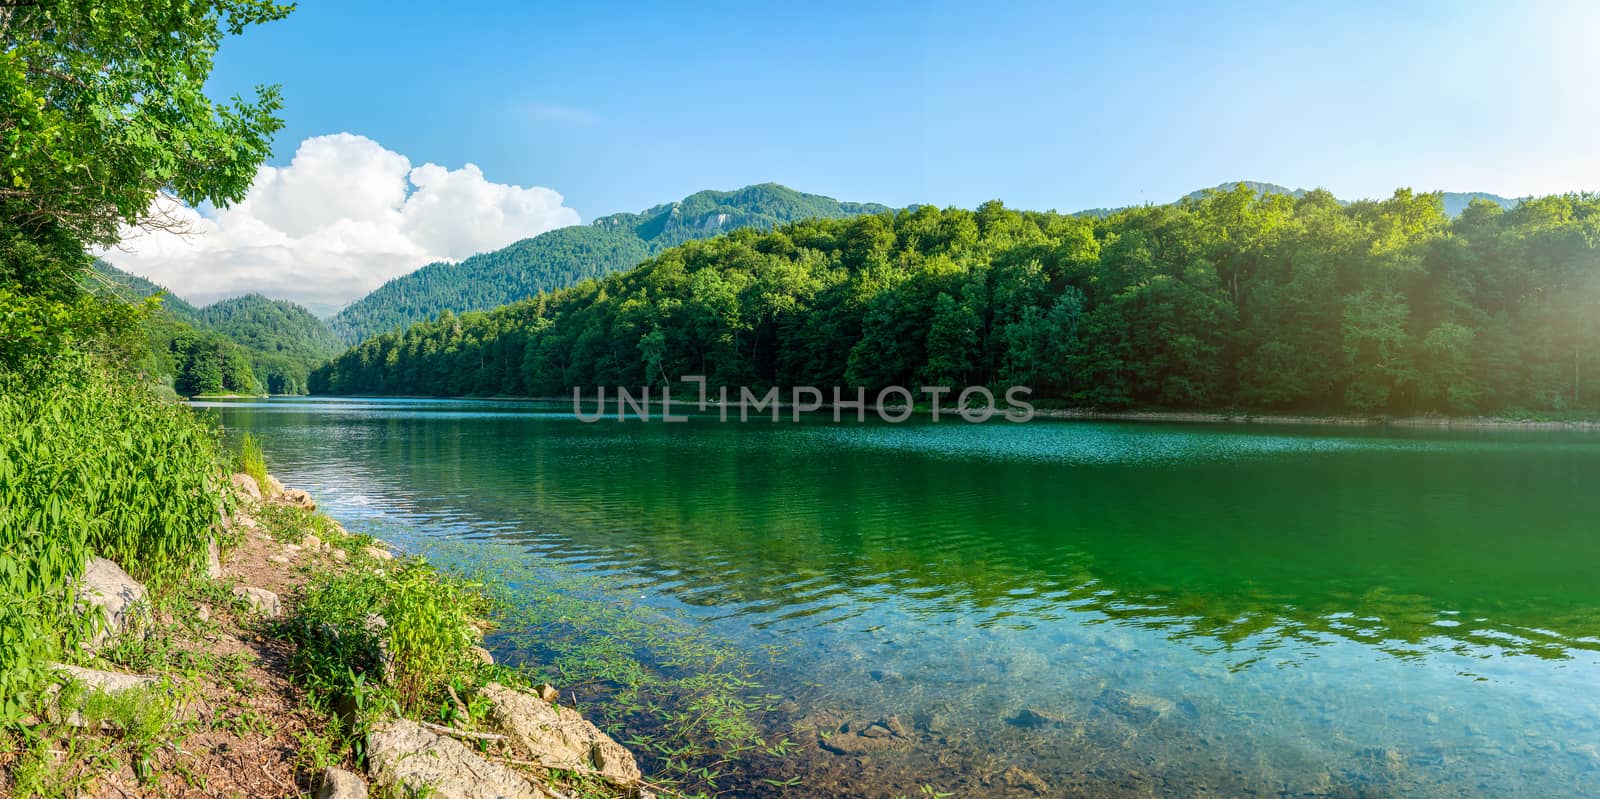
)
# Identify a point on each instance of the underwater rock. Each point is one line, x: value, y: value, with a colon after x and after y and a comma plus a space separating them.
x: 1030, y: 718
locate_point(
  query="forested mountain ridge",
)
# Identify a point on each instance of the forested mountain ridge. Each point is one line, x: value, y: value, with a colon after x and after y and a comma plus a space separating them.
x: 565, y: 256
x: 285, y: 341
x: 245, y: 345
x: 1237, y: 299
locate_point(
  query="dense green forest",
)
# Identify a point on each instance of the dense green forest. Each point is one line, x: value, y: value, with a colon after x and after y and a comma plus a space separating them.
x: 285, y: 341
x: 568, y: 256
x: 1235, y: 299
x: 242, y: 345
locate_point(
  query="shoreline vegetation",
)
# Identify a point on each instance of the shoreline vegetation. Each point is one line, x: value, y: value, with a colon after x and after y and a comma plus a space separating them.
x: 301, y: 660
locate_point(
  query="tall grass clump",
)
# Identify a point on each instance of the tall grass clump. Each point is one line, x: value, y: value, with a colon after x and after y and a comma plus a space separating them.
x: 422, y: 643
x: 91, y: 464
x: 253, y: 461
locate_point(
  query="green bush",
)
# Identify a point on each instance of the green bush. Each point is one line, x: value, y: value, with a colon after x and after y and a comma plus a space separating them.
x: 426, y: 634
x: 90, y: 464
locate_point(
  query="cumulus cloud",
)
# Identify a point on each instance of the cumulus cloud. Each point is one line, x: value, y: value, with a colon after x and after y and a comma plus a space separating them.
x: 344, y: 216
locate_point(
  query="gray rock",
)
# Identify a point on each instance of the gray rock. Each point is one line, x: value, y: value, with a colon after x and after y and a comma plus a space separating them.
x: 261, y: 601
x: 406, y: 758
x: 340, y: 784
x: 105, y: 587
x: 105, y: 682
x: 559, y: 737
x: 213, y: 560
x: 483, y: 656
x: 246, y: 487
x: 378, y: 553
x: 311, y: 542
x: 298, y: 498
x: 274, y: 486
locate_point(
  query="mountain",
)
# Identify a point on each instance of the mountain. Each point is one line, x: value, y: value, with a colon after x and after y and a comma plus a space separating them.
x: 1454, y: 201
x: 264, y: 344
x: 109, y: 279
x: 285, y: 341
x: 570, y: 255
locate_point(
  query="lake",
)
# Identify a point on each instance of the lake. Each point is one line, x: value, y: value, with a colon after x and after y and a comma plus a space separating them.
x: 1053, y: 608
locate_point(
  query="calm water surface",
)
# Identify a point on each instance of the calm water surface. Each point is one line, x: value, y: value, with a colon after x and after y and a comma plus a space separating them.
x: 1185, y: 610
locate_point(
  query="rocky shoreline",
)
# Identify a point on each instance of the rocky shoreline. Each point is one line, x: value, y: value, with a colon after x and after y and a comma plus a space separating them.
x: 207, y: 676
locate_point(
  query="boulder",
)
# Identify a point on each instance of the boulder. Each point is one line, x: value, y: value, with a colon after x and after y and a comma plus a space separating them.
x: 406, y: 758
x: 260, y: 601
x: 311, y: 542
x: 274, y: 486
x: 93, y: 681
x: 547, y: 692
x: 378, y: 553
x: 558, y: 737
x: 482, y: 655
x: 105, y: 587
x: 298, y: 498
x: 246, y: 487
x: 105, y: 682
x: 340, y: 784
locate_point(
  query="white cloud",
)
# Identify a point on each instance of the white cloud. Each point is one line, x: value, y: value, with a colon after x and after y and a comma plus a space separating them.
x: 345, y: 215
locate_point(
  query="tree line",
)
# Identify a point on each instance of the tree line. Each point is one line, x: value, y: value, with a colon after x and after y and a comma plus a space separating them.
x: 1233, y: 299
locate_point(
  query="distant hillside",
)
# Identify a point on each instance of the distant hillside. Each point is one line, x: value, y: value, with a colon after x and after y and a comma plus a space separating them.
x: 1454, y: 201
x: 276, y: 341
x: 570, y: 255
x: 285, y: 340
x: 135, y: 289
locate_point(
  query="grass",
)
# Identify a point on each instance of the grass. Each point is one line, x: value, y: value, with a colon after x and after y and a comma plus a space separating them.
x: 252, y: 461
x: 90, y: 464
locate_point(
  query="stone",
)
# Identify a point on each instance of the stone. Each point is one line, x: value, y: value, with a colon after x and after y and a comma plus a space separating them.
x: 260, y: 601
x: 281, y: 560
x: 340, y: 784
x: 118, y: 597
x: 105, y: 682
x: 213, y: 560
x: 378, y: 553
x: 1030, y: 718
x: 864, y: 737
x: 203, y: 613
x: 246, y: 487
x: 298, y: 498
x: 547, y: 692
x: 1022, y: 778
x: 310, y: 542
x: 406, y: 758
x: 274, y: 486
x: 340, y: 555
x: 482, y: 655
x: 559, y: 737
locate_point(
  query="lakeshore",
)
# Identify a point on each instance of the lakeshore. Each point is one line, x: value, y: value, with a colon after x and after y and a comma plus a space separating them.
x: 218, y: 685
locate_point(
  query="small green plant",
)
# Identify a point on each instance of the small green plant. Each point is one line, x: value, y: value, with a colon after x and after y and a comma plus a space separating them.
x: 253, y: 461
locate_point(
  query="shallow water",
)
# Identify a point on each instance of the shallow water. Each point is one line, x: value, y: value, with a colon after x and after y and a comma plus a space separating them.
x: 1188, y: 610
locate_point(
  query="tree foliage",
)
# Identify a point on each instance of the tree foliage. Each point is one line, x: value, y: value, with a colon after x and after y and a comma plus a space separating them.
x: 1233, y: 299
x: 570, y: 255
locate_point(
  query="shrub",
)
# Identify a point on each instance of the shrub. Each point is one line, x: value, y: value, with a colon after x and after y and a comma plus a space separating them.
x: 425, y: 638
x: 90, y: 464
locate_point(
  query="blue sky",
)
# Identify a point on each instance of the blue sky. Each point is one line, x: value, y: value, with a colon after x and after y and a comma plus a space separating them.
x: 419, y: 132
x: 1045, y: 105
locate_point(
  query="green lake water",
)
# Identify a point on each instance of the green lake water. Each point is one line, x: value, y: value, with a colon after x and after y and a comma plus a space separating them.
x: 1193, y: 610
